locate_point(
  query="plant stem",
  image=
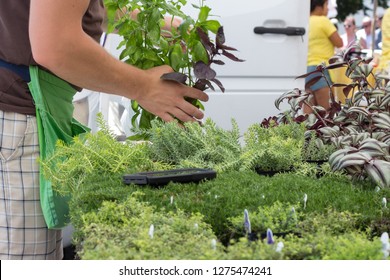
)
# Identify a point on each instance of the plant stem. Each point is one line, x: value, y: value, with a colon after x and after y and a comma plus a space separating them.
x: 315, y: 113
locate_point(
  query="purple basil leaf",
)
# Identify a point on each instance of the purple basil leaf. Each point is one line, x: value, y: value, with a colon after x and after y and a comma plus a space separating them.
x: 219, y: 84
x: 231, y: 56
x: 208, y: 83
x: 204, y: 38
x: 203, y: 71
x: 220, y: 37
x: 200, y: 84
x: 203, y: 84
x: 175, y: 76
x: 224, y: 47
x: 218, y: 62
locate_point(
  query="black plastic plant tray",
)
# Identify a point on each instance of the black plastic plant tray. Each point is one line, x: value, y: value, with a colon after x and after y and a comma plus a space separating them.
x: 160, y: 178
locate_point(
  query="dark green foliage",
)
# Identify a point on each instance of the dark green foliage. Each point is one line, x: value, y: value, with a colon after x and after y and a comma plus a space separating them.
x: 349, y: 7
x: 336, y: 210
x: 230, y: 193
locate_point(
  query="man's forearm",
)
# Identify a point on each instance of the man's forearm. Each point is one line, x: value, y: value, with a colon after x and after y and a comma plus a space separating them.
x: 72, y: 55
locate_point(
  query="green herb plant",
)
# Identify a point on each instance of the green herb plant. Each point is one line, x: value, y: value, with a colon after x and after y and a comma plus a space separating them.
x: 136, y: 231
x: 98, y: 153
x: 281, y: 218
x: 273, y: 148
x: 194, y: 145
x: 314, y: 148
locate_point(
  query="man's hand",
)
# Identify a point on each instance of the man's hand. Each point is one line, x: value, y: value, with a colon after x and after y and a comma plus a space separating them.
x: 166, y: 98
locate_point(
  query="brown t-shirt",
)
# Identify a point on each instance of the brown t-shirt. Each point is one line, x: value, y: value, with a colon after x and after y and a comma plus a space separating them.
x: 15, y: 48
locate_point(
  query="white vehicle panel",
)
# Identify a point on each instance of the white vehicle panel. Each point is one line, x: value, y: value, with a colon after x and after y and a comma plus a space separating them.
x: 272, y: 61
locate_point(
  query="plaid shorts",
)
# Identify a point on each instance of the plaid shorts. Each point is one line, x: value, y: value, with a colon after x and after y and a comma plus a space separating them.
x: 23, y: 231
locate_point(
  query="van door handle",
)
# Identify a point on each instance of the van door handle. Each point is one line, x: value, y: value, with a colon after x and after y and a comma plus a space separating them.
x: 289, y: 31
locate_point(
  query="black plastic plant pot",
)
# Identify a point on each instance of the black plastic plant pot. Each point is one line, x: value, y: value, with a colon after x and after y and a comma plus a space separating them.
x: 252, y: 236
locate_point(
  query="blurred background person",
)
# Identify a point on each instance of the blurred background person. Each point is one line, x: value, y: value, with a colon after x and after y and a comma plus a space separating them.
x: 383, y: 66
x: 349, y: 37
x: 365, y: 32
x: 378, y: 31
x: 323, y: 38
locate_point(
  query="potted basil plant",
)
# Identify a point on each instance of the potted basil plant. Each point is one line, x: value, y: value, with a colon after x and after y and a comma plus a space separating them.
x: 189, y: 49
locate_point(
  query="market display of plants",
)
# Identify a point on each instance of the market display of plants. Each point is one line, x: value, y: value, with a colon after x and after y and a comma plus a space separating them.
x: 333, y: 208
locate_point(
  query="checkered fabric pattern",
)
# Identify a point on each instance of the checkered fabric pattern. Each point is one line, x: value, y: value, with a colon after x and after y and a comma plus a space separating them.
x: 23, y: 232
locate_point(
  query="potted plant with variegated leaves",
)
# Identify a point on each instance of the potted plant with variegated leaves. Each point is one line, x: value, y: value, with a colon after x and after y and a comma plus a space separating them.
x: 360, y: 128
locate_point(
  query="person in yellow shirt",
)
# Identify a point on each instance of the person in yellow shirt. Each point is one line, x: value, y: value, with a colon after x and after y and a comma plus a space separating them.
x: 323, y: 38
x: 384, y: 63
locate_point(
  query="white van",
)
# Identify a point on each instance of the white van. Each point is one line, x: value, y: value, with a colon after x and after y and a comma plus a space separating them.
x: 271, y: 36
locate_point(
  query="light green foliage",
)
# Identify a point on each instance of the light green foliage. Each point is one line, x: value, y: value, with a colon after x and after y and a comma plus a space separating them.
x: 122, y: 231
x: 308, y: 169
x: 243, y: 249
x: 321, y: 245
x: 315, y: 149
x: 331, y: 222
x: 317, y: 169
x: 274, y: 148
x: 98, y: 153
x: 352, y: 246
x: 279, y: 217
x: 195, y: 145
x: 145, y: 42
x: 315, y: 246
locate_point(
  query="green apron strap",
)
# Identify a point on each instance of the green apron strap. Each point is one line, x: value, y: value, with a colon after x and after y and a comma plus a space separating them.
x: 54, y: 112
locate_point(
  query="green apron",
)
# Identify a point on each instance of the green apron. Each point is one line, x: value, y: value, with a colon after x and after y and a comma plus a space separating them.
x: 54, y: 112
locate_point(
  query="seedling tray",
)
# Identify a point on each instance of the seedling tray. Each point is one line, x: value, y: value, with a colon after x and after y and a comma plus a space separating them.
x: 160, y: 178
